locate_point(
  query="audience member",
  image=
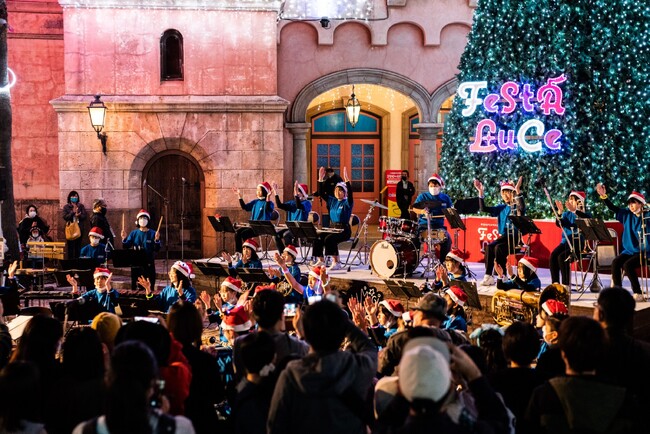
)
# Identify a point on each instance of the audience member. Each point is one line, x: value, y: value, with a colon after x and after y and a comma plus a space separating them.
x: 326, y: 391
x: 75, y: 212
x: 19, y: 411
x: 107, y: 325
x: 130, y: 390
x: 254, y: 392
x: 206, y: 387
x: 549, y: 362
x: 580, y: 402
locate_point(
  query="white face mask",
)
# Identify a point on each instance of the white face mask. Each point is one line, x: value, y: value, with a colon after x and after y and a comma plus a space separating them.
x: 434, y: 190
x: 94, y: 241
x: 143, y: 222
x: 32, y: 214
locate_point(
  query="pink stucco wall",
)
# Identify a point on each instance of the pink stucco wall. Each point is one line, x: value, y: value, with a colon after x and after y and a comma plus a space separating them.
x: 116, y: 52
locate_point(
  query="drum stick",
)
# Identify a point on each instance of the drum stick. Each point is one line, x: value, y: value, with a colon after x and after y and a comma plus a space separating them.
x: 122, y: 222
x: 159, y: 224
x: 383, y: 190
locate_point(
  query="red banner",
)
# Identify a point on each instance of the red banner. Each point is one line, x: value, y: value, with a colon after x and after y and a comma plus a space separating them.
x: 392, y: 178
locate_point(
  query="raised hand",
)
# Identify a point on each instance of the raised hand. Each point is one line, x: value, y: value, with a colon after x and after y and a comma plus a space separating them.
x: 274, y: 272
x: 345, y: 175
x: 226, y: 257
x: 73, y: 282
x: 205, y: 298
x: 237, y: 192
x: 321, y: 174
x: 279, y: 260
x: 601, y: 189
x: 11, y: 271
x: 478, y: 186
x: 295, y: 188
x: 358, y: 313
x: 218, y: 302
x: 109, y: 281
x: 179, y: 288
x: 145, y: 283
x: 559, y: 206
x: 518, y: 185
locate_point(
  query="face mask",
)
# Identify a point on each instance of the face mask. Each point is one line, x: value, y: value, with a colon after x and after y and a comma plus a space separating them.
x: 74, y: 199
x: 34, y: 234
x: 403, y: 178
x: 434, y: 190
x: 94, y: 242
x: 32, y: 214
x: 102, y: 210
x: 143, y: 222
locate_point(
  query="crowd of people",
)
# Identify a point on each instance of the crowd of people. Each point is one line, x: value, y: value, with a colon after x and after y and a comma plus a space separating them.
x: 360, y: 367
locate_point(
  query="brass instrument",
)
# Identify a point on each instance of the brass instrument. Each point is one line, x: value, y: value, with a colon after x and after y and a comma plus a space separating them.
x: 211, y: 337
x: 518, y: 305
x: 284, y: 288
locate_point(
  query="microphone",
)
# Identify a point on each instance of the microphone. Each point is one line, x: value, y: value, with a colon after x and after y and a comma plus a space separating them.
x: 144, y: 183
x: 184, y: 180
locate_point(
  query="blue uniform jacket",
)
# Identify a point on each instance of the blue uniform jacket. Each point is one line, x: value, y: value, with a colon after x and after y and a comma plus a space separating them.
x: 436, y: 223
x: 631, y: 228
x: 297, y: 210
x: 97, y: 253
x: 260, y: 209
x: 169, y: 295
x: 141, y: 240
x: 502, y: 211
x: 106, y: 300
x: 340, y: 210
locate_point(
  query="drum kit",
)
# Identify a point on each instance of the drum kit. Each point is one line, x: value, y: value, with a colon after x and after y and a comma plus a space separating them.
x: 396, y: 253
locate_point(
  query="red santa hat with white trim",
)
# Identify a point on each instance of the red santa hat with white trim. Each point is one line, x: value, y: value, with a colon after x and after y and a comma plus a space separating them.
x: 290, y: 249
x: 266, y: 186
x: 261, y: 288
x: 581, y: 195
x: 302, y: 188
x: 251, y: 243
x: 457, y: 255
x: 457, y: 294
x: 184, y: 268
x: 101, y: 272
x: 315, y: 272
x: 530, y: 262
x: 437, y: 178
x: 236, y: 319
x: 554, y: 307
x: 96, y: 232
x: 393, y: 306
x: 143, y: 213
x: 507, y: 185
x: 637, y: 196
x: 232, y: 283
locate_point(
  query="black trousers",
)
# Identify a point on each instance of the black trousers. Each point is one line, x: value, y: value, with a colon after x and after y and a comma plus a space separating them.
x: 629, y: 263
x: 497, y: 250
x: 560, y: 264
x: 330, y: 242
x: 404, y: 211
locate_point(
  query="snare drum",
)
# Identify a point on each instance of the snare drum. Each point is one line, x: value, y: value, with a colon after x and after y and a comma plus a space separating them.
x: 438, y: 236
x: 407, y: 228
x: 393, y: 258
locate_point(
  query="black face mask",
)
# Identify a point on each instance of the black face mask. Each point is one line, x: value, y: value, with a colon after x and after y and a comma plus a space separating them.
x: 403, y: 178
x: 102, y: 210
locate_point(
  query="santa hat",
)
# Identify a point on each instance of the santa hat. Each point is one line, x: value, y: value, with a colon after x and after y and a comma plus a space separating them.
x: 251, y: 243
x: 236, y: 319
x: 302, y: 188
x: 581, y: 195
x: 437, y: 178
x: 457, y: 294
x: 142, y: 213
x: 261, y: 288
x: 96, y: 232
x: 315, y: 272
x: 101, y: 272
x: 393, y: 306
x: 184, y: 268
x: 637, y: 196
x: 232, y: 283
x: 456, y: 255
x: 343, y: 186
x: 507, y: 185
x: 553, y: 307
x: 266, y: 186
x: 530, y: 262
x: 291, y: 250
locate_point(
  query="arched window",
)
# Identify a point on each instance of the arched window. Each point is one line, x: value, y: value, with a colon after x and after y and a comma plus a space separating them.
x: 171, y: 55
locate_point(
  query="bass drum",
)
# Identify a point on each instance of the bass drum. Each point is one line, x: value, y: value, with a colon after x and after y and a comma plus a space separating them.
x: 390, y: 258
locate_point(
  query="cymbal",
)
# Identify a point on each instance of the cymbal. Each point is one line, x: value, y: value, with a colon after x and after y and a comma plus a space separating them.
x: 375, y: 203
x: 427, y: 204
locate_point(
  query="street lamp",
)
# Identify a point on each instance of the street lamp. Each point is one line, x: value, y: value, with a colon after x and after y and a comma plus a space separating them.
x: 97, y: 112
x: 352, y: 109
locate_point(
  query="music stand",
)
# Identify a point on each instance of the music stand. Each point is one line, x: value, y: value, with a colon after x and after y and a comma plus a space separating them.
x: 263, y: 227
x: 124, y: 258
x: 404, y: 289
x: 222, y: 224
x: 596, y: 231
x: 217, y: 269
x: 78, y: 264
x: 83, y: 277
x: 472, y: 294
x: 453, y: 217
x: 467, y: 206
x: 525, y: 225
x: 253, y: 275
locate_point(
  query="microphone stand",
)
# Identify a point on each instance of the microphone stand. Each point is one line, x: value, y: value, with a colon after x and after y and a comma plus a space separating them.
x: 184, y: 181
x: 166, y: 205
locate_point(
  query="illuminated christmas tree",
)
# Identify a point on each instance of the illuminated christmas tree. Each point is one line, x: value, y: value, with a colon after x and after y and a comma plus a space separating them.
x: 596, y: 130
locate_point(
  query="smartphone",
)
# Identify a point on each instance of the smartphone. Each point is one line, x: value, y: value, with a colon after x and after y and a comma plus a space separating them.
x: 290, y: 309
x: 156, y: 398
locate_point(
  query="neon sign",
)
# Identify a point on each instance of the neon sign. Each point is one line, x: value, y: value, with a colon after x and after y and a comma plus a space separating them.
x: 487, y: 138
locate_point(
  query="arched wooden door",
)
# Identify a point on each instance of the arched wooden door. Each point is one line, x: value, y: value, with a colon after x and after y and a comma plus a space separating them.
x: 179, y: 181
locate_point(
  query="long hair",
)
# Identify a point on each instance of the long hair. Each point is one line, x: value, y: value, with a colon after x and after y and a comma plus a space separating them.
x: 130, y: 378
x: 39, y: 342
x: 19, y: 385
x: 185, y: 324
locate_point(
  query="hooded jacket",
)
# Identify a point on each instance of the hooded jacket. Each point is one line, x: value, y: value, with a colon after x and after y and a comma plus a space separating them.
x: 325, y: 393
